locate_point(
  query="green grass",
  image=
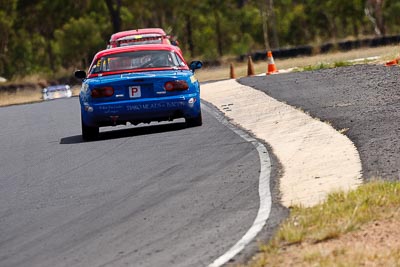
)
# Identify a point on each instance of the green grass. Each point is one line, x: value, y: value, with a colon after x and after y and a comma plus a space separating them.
x: 323, y: 65
x: 316, y: 67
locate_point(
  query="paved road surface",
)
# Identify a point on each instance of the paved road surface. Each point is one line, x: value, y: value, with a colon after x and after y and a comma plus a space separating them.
x: 365, y: 99
x: 160, y: 195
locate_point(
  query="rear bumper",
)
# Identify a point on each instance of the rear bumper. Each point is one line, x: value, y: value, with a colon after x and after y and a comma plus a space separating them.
x: 140, y: 110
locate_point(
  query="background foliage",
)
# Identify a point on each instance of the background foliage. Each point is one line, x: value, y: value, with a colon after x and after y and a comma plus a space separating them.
x: 45, y: 36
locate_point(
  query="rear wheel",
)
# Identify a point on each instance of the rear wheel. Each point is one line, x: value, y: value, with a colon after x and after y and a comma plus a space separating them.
x: 193, y: 122
x: 88, y: 132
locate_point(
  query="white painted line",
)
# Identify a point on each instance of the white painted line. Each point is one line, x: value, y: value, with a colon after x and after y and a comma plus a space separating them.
x: 263, y: 191
x: 364, y: 59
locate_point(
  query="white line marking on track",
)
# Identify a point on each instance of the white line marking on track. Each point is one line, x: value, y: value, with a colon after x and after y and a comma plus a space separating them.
x: 263, y: 191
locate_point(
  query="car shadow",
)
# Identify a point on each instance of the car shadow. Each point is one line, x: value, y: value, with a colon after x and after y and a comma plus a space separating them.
x: 129, y: 132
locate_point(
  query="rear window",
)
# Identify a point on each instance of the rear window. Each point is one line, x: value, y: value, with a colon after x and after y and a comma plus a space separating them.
x: 141, y: 39
x: 148, y: 40
x: 137, y: 60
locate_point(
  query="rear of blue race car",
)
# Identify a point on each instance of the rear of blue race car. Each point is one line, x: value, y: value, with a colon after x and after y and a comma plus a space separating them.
x: 140, y: 97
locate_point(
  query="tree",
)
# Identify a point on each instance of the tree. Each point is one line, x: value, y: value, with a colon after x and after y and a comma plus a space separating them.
x: 43, y: 17
x: 115, y: 13
x: 263, y: 6
x: 391, y: 9
x: 79, y: 39
x: 373, y: 10
x: 38, y: 35
x: 7, y: 18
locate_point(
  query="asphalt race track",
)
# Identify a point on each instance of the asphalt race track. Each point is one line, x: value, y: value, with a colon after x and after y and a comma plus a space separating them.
x: 361, y: 100
x: 157, y: 195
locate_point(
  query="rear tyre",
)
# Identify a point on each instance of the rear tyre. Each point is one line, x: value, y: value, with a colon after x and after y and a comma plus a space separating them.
x: 194, y: 122
x: 89, y: 133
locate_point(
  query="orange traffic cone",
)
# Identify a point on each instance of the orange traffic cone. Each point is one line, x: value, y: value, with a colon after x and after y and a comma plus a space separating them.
x: 392, y: 62
x: 250, y: 67
x: 271, y: 64
x: 232, y: 74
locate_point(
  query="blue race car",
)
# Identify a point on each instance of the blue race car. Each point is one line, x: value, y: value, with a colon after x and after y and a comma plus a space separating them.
x: 138, y: 84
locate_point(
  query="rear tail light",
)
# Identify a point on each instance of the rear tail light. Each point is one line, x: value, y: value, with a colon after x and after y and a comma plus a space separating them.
x: 176, y: 86
x: 102, y: 92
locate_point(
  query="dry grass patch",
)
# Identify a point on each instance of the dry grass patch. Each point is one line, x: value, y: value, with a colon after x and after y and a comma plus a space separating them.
x: 20, y: 97
x: 25, y: 96
x: 359, y: 228
x: 75, y: 90
x: 334, y: 59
